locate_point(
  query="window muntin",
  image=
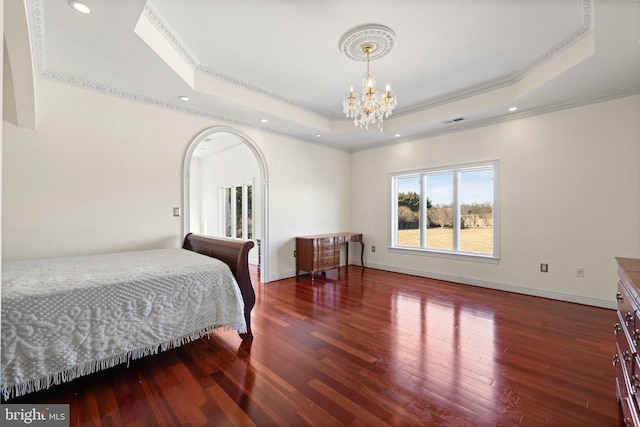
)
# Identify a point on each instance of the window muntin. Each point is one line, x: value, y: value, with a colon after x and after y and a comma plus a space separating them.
x: 456, y: 209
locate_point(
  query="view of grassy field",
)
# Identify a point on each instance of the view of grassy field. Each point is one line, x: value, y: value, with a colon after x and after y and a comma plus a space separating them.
x: 471, y: 239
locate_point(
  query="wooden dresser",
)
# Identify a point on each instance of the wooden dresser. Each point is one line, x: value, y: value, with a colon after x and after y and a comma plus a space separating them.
x: 627, y: 331
x: 321, y: 252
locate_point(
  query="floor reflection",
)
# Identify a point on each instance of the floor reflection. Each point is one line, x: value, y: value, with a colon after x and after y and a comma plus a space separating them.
x: 445, y: 343
x: 327, y: 294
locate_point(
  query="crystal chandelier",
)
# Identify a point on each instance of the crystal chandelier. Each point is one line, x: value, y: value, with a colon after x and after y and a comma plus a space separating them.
x: 369, y: 106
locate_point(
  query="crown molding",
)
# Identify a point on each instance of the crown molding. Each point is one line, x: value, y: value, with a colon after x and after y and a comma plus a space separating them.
x: 180, y: 108
x: 37, y: 8
x: 99, y: 87
x: 170, y: 35
x: 504, y: 118
x: 37, y: 28
x: 585, y: 28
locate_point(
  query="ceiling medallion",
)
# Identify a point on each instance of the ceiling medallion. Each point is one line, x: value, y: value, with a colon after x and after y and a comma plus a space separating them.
x: 367, y: 43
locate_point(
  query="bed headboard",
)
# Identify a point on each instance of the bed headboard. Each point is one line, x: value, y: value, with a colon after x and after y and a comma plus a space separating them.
x: 234, y: 253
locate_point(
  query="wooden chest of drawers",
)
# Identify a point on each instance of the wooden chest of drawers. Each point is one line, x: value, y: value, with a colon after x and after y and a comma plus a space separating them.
x: 320, y: 253
x: 627, y: 331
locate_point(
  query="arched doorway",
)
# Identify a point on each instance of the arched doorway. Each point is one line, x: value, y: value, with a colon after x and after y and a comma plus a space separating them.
x: 218, y: 159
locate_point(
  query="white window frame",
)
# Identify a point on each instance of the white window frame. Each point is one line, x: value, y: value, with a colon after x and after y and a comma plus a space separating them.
x: 454, y: 253
x: 245, y: 210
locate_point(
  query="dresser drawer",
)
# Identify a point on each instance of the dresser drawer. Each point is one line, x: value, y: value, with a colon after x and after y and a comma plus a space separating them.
x: 326, y: 251
x: 634, y: 333
x: 325, y: 241
x: 626, y: 308
x: 627, y: 331
x: 623, y: 361
x: 626, y: 337
x: 629, y: 412
x: 349, y: 238
x: 326, y: 263
x: 634, y: 376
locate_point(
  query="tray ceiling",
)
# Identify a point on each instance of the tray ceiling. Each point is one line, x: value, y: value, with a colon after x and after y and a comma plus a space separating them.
x: 280, y: 60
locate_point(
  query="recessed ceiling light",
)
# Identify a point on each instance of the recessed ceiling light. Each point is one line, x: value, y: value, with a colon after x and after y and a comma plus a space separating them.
x: 513, y: 109
x: 397, y: 135
x: 183, y: 98
x: 264, y: 120
x: 317, y: 135
x: 79, y: 6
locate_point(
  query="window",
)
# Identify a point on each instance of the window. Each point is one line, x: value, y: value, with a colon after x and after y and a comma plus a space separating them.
x: 450, y: 210
x: 237, y: 211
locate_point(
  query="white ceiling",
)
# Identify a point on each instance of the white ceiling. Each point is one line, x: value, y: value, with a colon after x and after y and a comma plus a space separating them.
x: 242, y: 61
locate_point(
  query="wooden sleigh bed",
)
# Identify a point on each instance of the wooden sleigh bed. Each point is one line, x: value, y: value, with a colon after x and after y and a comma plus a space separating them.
x: 63, y: 318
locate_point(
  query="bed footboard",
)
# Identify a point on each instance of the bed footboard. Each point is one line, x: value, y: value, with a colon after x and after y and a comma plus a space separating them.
x: 234, y: 253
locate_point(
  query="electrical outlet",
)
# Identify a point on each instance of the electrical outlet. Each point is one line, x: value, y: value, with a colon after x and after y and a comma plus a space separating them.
x: 580, y: 271
x: 176, y: 211
x: 544, y: 268
x: 373, y: 248
x: 294, y: 254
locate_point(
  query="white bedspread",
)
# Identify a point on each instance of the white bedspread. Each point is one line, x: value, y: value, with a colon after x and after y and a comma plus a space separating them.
x: 67, y: 317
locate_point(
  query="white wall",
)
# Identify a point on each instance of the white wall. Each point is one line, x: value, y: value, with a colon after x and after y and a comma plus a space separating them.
x: 570, y: 190
x: 315, y: 196
x: 235, y: 165
x: 102, y: 174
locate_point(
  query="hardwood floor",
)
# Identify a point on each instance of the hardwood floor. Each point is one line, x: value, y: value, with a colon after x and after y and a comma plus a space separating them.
x: 371, y: 348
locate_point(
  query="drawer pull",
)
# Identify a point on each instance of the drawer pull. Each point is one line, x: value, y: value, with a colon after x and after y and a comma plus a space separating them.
x: 627, y: 356
x: 619, y: 297
x: 617, y: 327
x: 628, y: 317
x: 616, y: 359
x: 636, y: 335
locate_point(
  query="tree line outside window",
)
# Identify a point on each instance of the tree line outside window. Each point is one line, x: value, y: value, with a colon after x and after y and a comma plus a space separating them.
x: 451, y: 210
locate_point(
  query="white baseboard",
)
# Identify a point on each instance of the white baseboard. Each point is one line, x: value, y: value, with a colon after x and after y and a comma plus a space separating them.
x: 561, y: 296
